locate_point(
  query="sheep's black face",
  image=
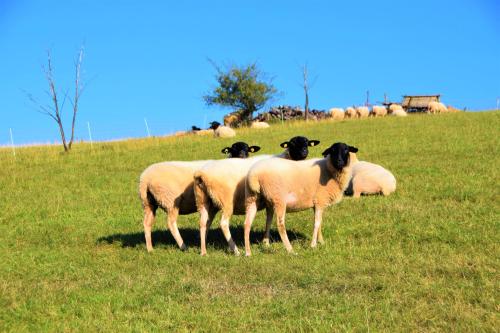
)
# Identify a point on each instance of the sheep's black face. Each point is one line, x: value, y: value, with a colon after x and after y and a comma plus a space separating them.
x: 214, y: 125
x: 339, y: 154
x: 240, y: 150
x: 298, y: 147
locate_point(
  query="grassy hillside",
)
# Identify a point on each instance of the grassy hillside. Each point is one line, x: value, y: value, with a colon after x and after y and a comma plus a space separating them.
x: 425, y: 258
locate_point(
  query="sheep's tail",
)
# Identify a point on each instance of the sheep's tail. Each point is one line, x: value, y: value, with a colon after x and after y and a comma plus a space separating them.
x: 252, y: 184
x: 143, y: 191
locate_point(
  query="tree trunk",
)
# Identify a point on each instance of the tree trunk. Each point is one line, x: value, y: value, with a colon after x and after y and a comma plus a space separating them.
x: 306, y: 108
x: 63, y: 137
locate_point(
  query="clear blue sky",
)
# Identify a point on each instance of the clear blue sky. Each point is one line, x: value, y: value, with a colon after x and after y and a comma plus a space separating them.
x: 148, y: 59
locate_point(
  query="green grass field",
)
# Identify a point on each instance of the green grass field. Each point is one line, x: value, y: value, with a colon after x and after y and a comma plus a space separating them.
x: 423, y: 259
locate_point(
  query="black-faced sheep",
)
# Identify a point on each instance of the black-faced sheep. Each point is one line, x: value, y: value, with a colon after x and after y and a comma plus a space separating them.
x: 169, y: 185
x: 220, y: 185
x: 290, y: 186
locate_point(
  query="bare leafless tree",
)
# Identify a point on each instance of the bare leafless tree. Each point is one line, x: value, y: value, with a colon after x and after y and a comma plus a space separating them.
x: 54, y: 111
x: 306, y: 86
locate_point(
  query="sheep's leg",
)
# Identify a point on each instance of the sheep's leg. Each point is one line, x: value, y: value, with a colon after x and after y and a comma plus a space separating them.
x: 149, y: 218
x: 280, y: 215
x: 206, y: 218
x: 172, y: 225
x: 317, y: 225
x: 203, y: 230
x: 269, y: 221
x: 251, y: 210
x: 320, y: 237
x: 224, y: 225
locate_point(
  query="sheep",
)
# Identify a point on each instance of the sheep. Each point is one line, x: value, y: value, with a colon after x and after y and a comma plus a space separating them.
x: 220, y: 185
x: 393, y: 107
x: 240, y: 150
x: 399, y: 113
x: 204, y: 132
x: 378, y: 111
x: 369, y: 178
x: 350, y: 112
x: 436, y: 107
x: 290, y: 186
x: 169, y: 185
x: 259, y: 124
x: 224, y: 132
x: 297, y: 148
x: 337, y: 113
x: 362, y: 112
x: 232, y: 119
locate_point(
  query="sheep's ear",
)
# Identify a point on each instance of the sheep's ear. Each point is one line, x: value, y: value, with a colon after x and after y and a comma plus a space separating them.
x: 253, y: 149
x: 225, y: 150
x: 313, y: 143
x: 353, y: 149
x: 326, y: 152
x: 284, y: 144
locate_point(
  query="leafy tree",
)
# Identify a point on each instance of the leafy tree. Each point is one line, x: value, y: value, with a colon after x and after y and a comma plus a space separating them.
x: 241, y: 88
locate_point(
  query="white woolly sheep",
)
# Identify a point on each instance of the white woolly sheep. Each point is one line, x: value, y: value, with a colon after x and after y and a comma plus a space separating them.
x: 369, y: 178
x: 379, y: 111
x: 169, y: 185
x: 350, y: 112
x: 399, y: 113
x: 290, y: 186
x: 436, y: 107
x: 337, y: 113
x: 362, y: 112
x: 393, y: 107
x: 220, y: 185
x: 259, y: 124
x: 204, y: 132
x: 225, y: 132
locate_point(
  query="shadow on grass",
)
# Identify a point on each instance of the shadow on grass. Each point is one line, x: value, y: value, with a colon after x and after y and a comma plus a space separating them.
x: 191, y: 237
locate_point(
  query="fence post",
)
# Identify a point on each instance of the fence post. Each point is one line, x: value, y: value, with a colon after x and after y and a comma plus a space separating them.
x: 147, y: 127
x: 90, y: 135
x: 12, y: 142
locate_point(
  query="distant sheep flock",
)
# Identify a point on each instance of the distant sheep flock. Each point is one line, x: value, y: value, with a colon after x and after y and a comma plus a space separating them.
x: 241, y: 185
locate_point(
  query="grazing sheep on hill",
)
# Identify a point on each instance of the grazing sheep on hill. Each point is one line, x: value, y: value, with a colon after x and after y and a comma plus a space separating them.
x: 393, y: 107
x: 337, y: 113
x: 362, y: 112
x: 169, y: 185
x: 225, y: 132
x: 437, y: 107
x: 369, y: 178
x: 350, y: 112
x: 220, y: 185
x: 231, y: 119
x: 378, y: 111
x: 222, y: 131
x: 259, y: 124
x: 205, y: 132
x: 399, y: 113
x: 290, y: 186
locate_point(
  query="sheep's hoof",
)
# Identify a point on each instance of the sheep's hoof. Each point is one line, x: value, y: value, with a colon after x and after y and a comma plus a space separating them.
x: 236, y: 252
x: 266, y: 242
x: 183, y: 247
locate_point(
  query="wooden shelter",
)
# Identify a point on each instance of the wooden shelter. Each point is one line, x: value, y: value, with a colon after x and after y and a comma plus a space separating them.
x: 418, y: 103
